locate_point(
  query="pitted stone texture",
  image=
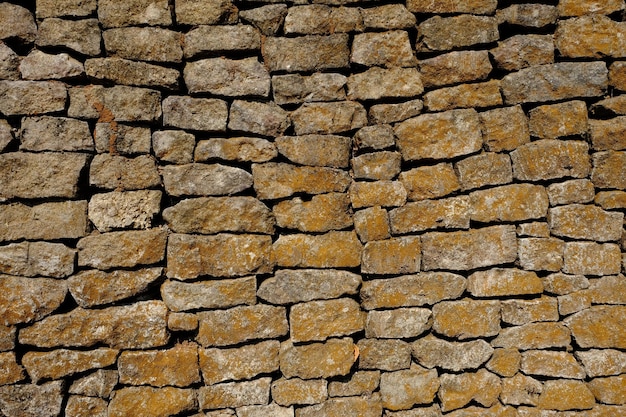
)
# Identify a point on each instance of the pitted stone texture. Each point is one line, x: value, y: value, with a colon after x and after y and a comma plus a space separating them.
x: 41, y: 66
x: 205, y: 114
x: 378, y: 193
x: 504, y: 128
x: 62, y: 220
x: 390, y: 113
x: 607, y: 167
x: 207, y: 39
x: 347, y: 407
x: 152, y: 402
x: 298, y: 285
x: 316, y: 150
x: 138, y: 326
x: 17, y: 23
x: 541, y: 254
x: 31, y: 98
x: 550, y: 159
x: 445, y: 33
x: 399, y: 323
x: 377, y: 137
x: 92, y: 287
x: 181, y: 296
x: 12, y: 372
x: 534, y: 229
x: 30, y: 400
x: 59, y: 8
x: 590, y: 258
x: 372, y: 224
x: 580, y: 8
x: 219, y: 365
x: 322, y: 213
x: 602, y: 362
x: 320, y: 320
x: 608, y: 290
x: 63, y: 362
x: 398, y: 255
x: 455, y: 67
x: 177, y: 366
x: 296, y: 88
x: 360, y: 383
x: 124, y: 210
x: 384, y: 354
x: 24, y: 300
x: 598, y: 327
x: 609, y: 390
x: 144, y: 44
x: 499, y: 282
x: 608, y: 134
x: 79, y: 406
x: 317, y: 360
x: 558, y: 120
x: 452, y: 6
x: 9, y: 63
x: 552, y: 364
x: 484, y: 169
x: 617, y: 75
x: 504, y: 362
x: 467, y: 319
x: 31, y: 259
x: 82, y: 36
x: 533, y: 336
x: 240, y: 149
x: 519, y: 312
x: 611, y: 106
x: 521, y: 389
x: 474, y: 95
x: 426, y: 288
x: 222, y: 255
x: 458, y: 390
x: 439, y: 136
x: 267, y: 119
x: 389, y: 16
x: 385, y: 165
x: 528, y: 15
x: 205, y: 12
x: 565, y: 394
x: 589, y: 222
x: 121, y: 139
x: 509, y: 203
x: 322, y: 19
x: 122, y: 249
x: 268, y: 19
x: 7, y: 337
x: 571, y: 191
x: 405, y: 388
x: 306, y: 53
x: 227, y: 77
x: 385, y: 49
x: 122, y: 173
x: 216, y: 214
x: 47, y: 133
x: 119, y: 103
x: 561, y: 284
x: 264, y: 410
x: 430, y: 181
x: 611, y: 199
x: 128, y: 72
x: 328, y: 118
x: 592, y: 36
x: 240, y: 324
x: 134, y: 12
x: 329, y: 250
x: 454, y: 356
x: 522, y: 51
x: 292, y: 391
x: 204, y: 179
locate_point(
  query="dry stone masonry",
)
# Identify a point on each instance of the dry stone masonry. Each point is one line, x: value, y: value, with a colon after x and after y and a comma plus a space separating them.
x: 312, y: 208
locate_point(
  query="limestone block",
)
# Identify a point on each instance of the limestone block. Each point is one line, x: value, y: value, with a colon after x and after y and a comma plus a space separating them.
x: 385, y: 165
x: 60, y: 363
x: 124, y: 210
x: 519, y: 312
x: 205, y: 39
x: 432, y: 352
x: 571, y: 191
x: 384, y: 354
x: 550, y: 159
x: 317, y: 360
x: 384, y: 49
x: 119, y: 103
x: 540, y: 335
x: 607, y: 167
x: 320, y: 320
x: 590, y: 258
x: 219, y: 365
x: 134, y: 13
x: 208, y: 114
x: 336, y: 407
x: 561, y: 284
x: 454, y: 6
x: 617, y: 75
x: 529, y: 15
x: 123, y: 139
x: 307, y: 53
x: 12, y: 372
x: 24, y: 300
x: 509, y: 203
x: 184, y: 296
x: 504, y: 128
x: 377, y: 193
x: 152, y: 402
x: 389, y: 16
x: 296, y: 88
x: 41, y: 66
x: 82, y: 36
x: 610, y: 106
x: 405, y: 388
x: 579, y: 8
x: 30, y: 400
x: 322, y: 213
x: 144, y: 44
x: 599, y: 327
x: 590, y: 36
x: 316, y: 150
x: 602, y: 362
x: 608, y: 134
x: 330, y: 250
x: 565, y: 394
x: 267, y: 119
x: 521, y: 51
x: 128, y: 72
x: 314, y: 117
x: 96, y: 384
x: 553, y: 121
x: 399, y: 323
x: 240, y: 149
x: 59, y: 8
x: 552, y: 364
x: 505, y: 362
x: 446, y: 33
x: 455, y: 67
x: 521, y: 389
x: 17, y: 23
x: 375, y: 137
x: 177, y: 366
x: 9, y: 63
x: 264, y: 410
x: 430, y: 181
x: 397, y: 255
x: 484, y: 169
x: 609, y: 390
x: 204, y: 179
x: 31, y: 98
x: 227, y: 77
x: 390, y: 112
x: 62, y: 220
x: 458, y: 390
x: 47, y: 133
x: 579, y: 221
x: 360, y: 383
x: 497, y: 282
x: 321, y: 19
x: 79, y: 406
x: 467, y: 319
x: 372, y: 224
x: 31, y: 259
x: 205, y: 12
x: 608, y: 290
x: 292, y: 391
x: 268, y: 19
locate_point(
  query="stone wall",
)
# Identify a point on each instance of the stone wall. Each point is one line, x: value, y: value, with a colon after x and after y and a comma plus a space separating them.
x: 348, y: 208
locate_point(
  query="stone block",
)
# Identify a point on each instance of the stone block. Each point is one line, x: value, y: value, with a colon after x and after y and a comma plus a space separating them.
x: 432, y: 352
x: 550, y: 159
x: 540, y: 335
x: 79, y: 406
x: 62, y: 220
x: 177, y: 366
x: 398, y: 255
x: 316, y: 150
x: 599, y: 327
x: 24, y: 300
x: 348, y: 406
x: 430, y: 181
x: 403, y: 389
x: 134, y: 13
x: 458, y: 390
x: 292, y: 391
x: 32, y: 400
x: 385, y: 165
x: 570, y: 192
x: 205, y: 179
x: 31, y: 98
x: 522, y: 51
x: 9, y: 63
x: 307, y: 53
x: 41, y: 66
x: 399, y: 323
x: 541, y: 254
x: 124, y: 210
x: 565, y: 395
x: 119, y: 103
x: 377, y: 137
x: 498, y: 282
x: 484, y: 169
x: 551, y: 364
x: 318, y: 19
x: 317, y: 360
x: 205, y: 12
x: 446, y: 33
x: 184, y: 296
x: 219, y: 365
x: 372, y: 224
x: 608, y: 134
x: 320, y: 320
x: 47, y: 133
x: 611, y: 199
x: 590, y: 258
x: 7, y: 337
x: 99, y: 383
x: 186, y: 322
x: 174, y: 146
x: 384, y: 354
x: 562, y: 284
x: 360, y: 383
x: 267, y: 119
x: 528, y: 15
x: 509, y: 203
x: 268, y: 19
x: 82, y: 36
x: 205, y: 114
x: 61, y: 363
x: 455, y: 67
x: 31, y: 259
x: 314, y: 117
x: 519, y: 312
x: 152, y: 402
x: 227, y: 77
x: 467, y: 319
x: 389, y: 16
x: 553, y: 121
x: 123, y: 139
x: 264, y: 410
x: 209, y: 39
x: 473, y: 6
x: 384, y: 49
x: 60, y: 8
x: 609, y: 390
x: 329, y: 250
x: 504, y: 129
x: 127, y: 72
x: 377, y: 193
x: 240, y: 149
x: 376, y: 83
x: 390, y: 112
x: 18, y: 23
x: 322, y: 213
x: 521, y: 389
x: 505, y: 362
x: 534, y: 229
x: 617, y: 75
x: 574, y: 302
x: 296, y: 88
x: 474, y: 95
x: 602, y: 362
x: 608, y: 290
x: 607, y: 168
x: 144, y: 44
x: 580, y: 8
x: 122, y: 173
x: 610, y: 106
x: 580, y: 221
x: 590, y: 36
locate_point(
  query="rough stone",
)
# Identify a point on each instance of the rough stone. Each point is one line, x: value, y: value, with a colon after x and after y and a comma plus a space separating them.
x: 385, y: 49
x: 445, y: 33
x: 599, y: 327
x: 503, y: 282
x: 268, y: 19
x: 306, y: 53
x: 122, y: 173
x: 484, y: 169
x: 59, y: 8
x: 186, y: 322
x: 9, y: 63
x: 181, y: 296
x: 375, y: 137
x: 360, y: 383
x: 519, y: 312
x: 552, y: 364
x: 432, y: 352
x: 455, y: 67
x: 47, y: 133
x: 540, y: 335
x: 320, y: 320
x: 31, y: 97
x: 30, y: 400
x: 384, y: 354
x: 264, y: 410
x: 452, y: 6
x: 557, y: 120
x: 177, y: 366
x: 82, y: 36
x: 399, y: 255
x: 134, y: 13
x: 534, y: 229
x: 31, y: 259
x: 62, y: 220
x: 550, y: 159
x: 41, y: 66
x: 24, y: 300
x: 7, y: 337
x: 480, y: 318
x: 266, y: 119
x: 144, y: 44
x: 92, y: 287
x: 222, y: 255
x: 296, y: 88
x: 458, y: 390
x: 216, y: 214
x: 316, y: 117
x: 475, y: 95
x: 317, y: 360
x: 227, y: 77
x: 528, y: 15
x: 123, y: 139
x: 451, y: 212
x: 390, y: 16
x: 321, y: 19
x: 122, y: 210
x: 574, y: 302
x: 122, y: 249
x: 579, y: 8
x: 608, y: 290
x: 240, y: 324
x: 96, y: 384
x: 372, y: 224
x: 509, y: 203
x: 399, y: 323
x: 565, y: 395
x: 128, y: 72
x: 240, y: 149
x: 541, y: 254
x: 521, y: 389
x: 204, y: 179
x: 63, y: 362
x: 405, y: 388
x: 119, y: 103
x: 347, y: 407
x: 205, y: 12
x: 390, y: 113
x: 384, y: 165
x: 78, y: 406
x: 316, y: 150
x: 611, y: 199
x: 426, y: 288
x: 602, y: 362
x: 292, y: 391
x: 301, y: 285
x: 504, y: 362
x: 329, y: 250
x: 17, y: 22
x: 522, y: 51
x: 378, y: 193
x: 561, y: 284
x: 152, y: 402
x: 553, y: 82
x: 590, y: 36
x: 137, y: 326
x: 209, y: 39
x: 590, y: 258
x: 430, y: 181
x: 377, y: 83
x: 206, y: 114
x: 439, y: 136
x: 608, y: 134
x: 504, y: 128
x: 617, y: 75
x: 611, y: 106
x: 609, y: 390
x: 322, y: 213
x: 572, y: 191
x: 607, y: 167
x: 579, y: 221
x: 219, y: 365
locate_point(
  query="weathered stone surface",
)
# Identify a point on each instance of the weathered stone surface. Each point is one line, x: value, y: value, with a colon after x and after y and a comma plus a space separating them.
x: 445, y: 33
x: 227, y: 77
x: 137, y: 326
x: 239, y: 324
x: 375, y: 137
x: 480, y: 318
x: 122, y: 249
x: 562, y: 284
x: 32, y: 259
x: 7, y: 337
x: 12, y: 372
x: 58, y: 8
x: 552, y: 364
x: 609, y: 390
x: 63, y: 362
x: 455, y: 67
x: 399, y: 323
x: 119, y: 210
x: 504, y: 362
x: 458, y: 390
x: 123, y: 139
x: 590, y: 36
x: 82, y: 36
x: 433, y: 352
x: 430, y: 181
x: 135, y: 12
x: 127, y: 72
x: 31, y: 97
x: 484, y: 169
x: 316, y: 150
x: 439, y: 136
x: 405, y: 388
x: 521, y: 51
x: 277, y: 180
x: 268, y: 19
x: 574, y: 302
x: 264, y: 410
x: 580, y: 221
x: 504, y: 128
x: 122, y: 173
x: 186, y: 322
x: 41, y: 66
x: 207, y: 39
x: 528, y: 15
x: 550, y: 159
x: 555, y: 82
x: 219, y: 365
x: 347, y: 407
x: 92, y: 287
x: 177, y: 366
x: 320, y: 320
x: 521, y: 389
x: 452, y: 6
x: 509, y: 203
x: 617, y: 75
x: 296, y: 88
x: 384, y: 354
x: 385, y: 49
x: 291, y: 391
x: 611, y: 199
x: 329, y: 250
x: 306, y: 53
x: 541, y: 254
x: 240, y: 149
x: 96, y: 384
x: 328, y: 118
x: 475, y: 95
x: 17, y: 23
x: 378, y: 193
x: 182, y: 296
x: 63, y: 220
x: 610, y: 106
x: 389, y: 16
x: 579, y: 8
x: 144, y: 44
x: 204, y: 179
x: 502, y: 282
x: 205, y: 12
x: 557, y: 120
x: 9, y: 63
x: 317, y: 360
x: 608, y: 134
x: 372, y: 224
x: 469, y: 249
x: 390, y: 113
x: 24, y: 300
x: 151, y: 402
x: 533, y: 336
x: 322, y: 213
x: 411, y: 290
x: 298, y: 285
x: 602, y: 362
x: 590, y: 258
x: 534, y: 229
x: 216, y: 214
x: 361, y: 383
x: 399, y: 255
x: 79, y: 406
x: 384, y: 165
x: 565, y: 395
x: 47, y: 133
x: 119, y: 103
x: 608, y: 290
x: 572, y: 191
x: 599, y: 327
x: 377, y: 83
x: 266, y: 119
x: 206, y: 114
x: 519, y: 312
x: 606, y: 168
x: 222, y: 255
x: 322, y: 19
x: 30, y: 400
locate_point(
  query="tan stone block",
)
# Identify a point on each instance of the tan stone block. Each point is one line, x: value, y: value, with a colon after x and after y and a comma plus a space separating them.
x: 602, y: 362
x: 411, y: 290
x: 222, y: 255
x: 205, y: 12
x: 82, y: 36
x: 245, y: 77
x: 611, y: 199
x: 519, y: 312
x: 112, y: 137
x: 385, y: 49
x: 31, y: 97
x: 186, y: 322
x: 47, y: 133
x: 119, y: 103
x: 541, y: 254
x: 509, y: 203
x: 499, y: 282
x: 565, y: 394
x: 447, y: 213
x: 553, y: 121
x: 617, y: 75
x: 56, y: 8
x: 272, y: 409
x: 360, y: 383
x: 399, y: 255
x: 24, y: 300
x: 207, y: 114
x: 504, y: 362
x: 372, y: 224
x: 383, y: 165
x: 7, y: 337
x: 469, y: 249
x: 599, y: 327
x: 458, y: 390
x: 99, y: 383
x: 474, y: 95
x: 122, y: 249
x: 12, y: 372
x: 63, y: 362
x: 405, y: 388
x: 338, y: 407
x: 430, y: 181
x: 455, y: 67
x: 152, y: 402
x: 384, y: 354
x: 611, y: 390
x: 320, y: 320
x: 219, y: 365
x: 561, y: 284
x: 432, y: 411
x: 278, y: 180
x: 394, y: 112
x: 296, y: 88
x: 608, y: 290
x: 550, y: 159
x: 376, y: 83
x: 467, y: 319
x: 452, y: 6
x: 127, y: 72
x: 612, y: 106
x: 504, y: 128
x: 240, y: 149
x: 307, y: 53
x: 579, y: 221
x: 235, y: 394
x: 205, y: 179
x: 571, y: 191
x: 432, y: 352
x: 292, y: 391
x: 330, y: 250
x: 552, y: 364
x: 144, y: 44
x: 607, y: 169
x: 124, y: 210
x: 590, y: 258
x: 377, y: 193
x: 321, y: 213
x: 316, y: 150
x: 32, y: 259
x: 446, y: 33
x: 533, y: 229
x: 182, y: 296
x: 521, y: 51
x: 135, y: 12
x: 533, y: 336
x: 399, y: 323
x: 240, y: 324
x: 580, y: 8
x: 440, y: 135
x: 574, y: 302
x: 484, y: 169
x: 498, y: 410
x: 317, y: 360
x: 79, y: 406
x: 390, y: 16
x: 328, y: 118
x: 521, y: 389
x: 608, y: 134
x: 114, y: 172
x: 590, y: 36
x: 32, y: 400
